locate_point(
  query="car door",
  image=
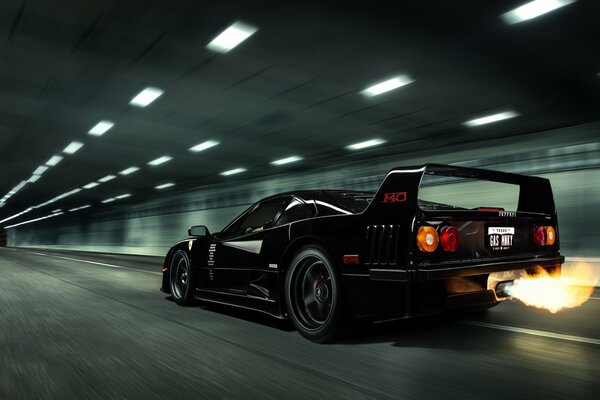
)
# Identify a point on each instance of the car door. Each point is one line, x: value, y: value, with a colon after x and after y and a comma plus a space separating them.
x: 238, y: 249
x: 263, y: 279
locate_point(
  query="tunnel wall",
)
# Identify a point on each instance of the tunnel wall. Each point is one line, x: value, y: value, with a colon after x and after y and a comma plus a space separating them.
x: 152, y: 226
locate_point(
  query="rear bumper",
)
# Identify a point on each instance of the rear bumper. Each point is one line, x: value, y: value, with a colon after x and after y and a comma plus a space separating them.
x: 432, y: 289
x: 446, y: 271
x: 455, y: 271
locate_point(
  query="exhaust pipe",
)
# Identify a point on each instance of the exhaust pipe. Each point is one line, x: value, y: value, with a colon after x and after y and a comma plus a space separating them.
x: 503, y: 289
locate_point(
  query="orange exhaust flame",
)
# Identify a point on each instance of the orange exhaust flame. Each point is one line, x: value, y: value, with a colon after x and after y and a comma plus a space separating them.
x: 567, y: 289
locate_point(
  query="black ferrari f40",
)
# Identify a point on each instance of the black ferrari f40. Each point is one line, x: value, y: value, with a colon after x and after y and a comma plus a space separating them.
x: 320, y: 256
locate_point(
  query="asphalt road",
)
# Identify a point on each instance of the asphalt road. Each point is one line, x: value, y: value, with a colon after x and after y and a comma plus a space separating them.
x: 77, y: 325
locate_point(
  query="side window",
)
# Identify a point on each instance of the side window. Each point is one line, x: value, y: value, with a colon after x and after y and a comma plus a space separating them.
x: 262, y: 217
x: 295, y: 211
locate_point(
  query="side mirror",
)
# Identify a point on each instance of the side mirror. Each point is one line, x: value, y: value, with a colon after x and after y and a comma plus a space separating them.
x: 198, y: 231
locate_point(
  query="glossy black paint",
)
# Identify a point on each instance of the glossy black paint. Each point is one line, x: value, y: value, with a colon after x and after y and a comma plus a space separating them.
x: 246, y: 266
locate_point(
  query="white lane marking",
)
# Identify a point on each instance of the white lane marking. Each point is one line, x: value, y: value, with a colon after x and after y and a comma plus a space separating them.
x: 533, y: 332
x: 95, y: 263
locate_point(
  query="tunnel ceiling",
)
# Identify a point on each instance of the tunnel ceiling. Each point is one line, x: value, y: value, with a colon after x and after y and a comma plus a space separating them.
x: 292, y: 88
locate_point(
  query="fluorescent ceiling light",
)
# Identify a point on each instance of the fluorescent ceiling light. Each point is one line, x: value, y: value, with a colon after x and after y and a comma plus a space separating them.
x: 101, y: 127
x: 123, y: 196
x: 164, y: 186
x: 233, y: 171
x: 204, y: 145
x: 146, y: 96
x: 533, y: 9
x: 91, y: 185
x: 365, y: 144
x: 60, y: 196
x: 16, y: 215
x: 18, y: 187
x: 73, y: 147
x: 129, y: 170
x: 34, y: 178
x: 231, y: 37
x: 54, y: 160
x: 79, y: 208
x: 108, y: 200
x: 57, y: 210
x: 40, y: 170
x: 286, y: 160
x: 12, y: 191
x: 386, y: 86
x: 34, y: 220
x: 45, y: 203
x: 107, y: 178
x: 160, y: 160
x: 491, y: 118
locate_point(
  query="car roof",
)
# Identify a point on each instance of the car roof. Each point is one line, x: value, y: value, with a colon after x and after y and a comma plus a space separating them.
x: 317, y: 194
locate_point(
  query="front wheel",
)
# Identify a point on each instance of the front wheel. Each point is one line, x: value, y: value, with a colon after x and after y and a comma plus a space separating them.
x: 313, y: 295
x: 181, y: 275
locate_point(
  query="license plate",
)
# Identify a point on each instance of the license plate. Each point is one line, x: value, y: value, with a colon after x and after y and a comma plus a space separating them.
x: 500, y: 237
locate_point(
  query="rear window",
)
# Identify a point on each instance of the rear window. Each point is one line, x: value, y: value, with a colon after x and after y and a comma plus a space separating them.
x: 295, y: 211
x: 354, y: 202
x: 455, y: 193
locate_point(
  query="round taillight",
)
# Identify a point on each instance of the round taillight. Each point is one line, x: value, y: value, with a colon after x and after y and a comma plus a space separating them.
x: 550, y: 235
x: 427, y: 239
x: 539, y: 236
x: 449, y: 238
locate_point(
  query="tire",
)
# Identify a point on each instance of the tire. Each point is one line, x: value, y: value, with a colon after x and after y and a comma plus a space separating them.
x: 313, y: 295
x: 181, y: 279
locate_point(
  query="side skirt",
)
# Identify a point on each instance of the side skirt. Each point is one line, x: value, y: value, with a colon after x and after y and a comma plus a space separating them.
x: 265, y: 306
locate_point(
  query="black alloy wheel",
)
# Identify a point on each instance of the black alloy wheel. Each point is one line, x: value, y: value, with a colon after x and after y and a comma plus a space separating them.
x: 313, y: 295
x: 181, y: 275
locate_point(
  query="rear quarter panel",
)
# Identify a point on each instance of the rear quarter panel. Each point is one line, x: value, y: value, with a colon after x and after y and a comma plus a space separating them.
x: 346, y: 235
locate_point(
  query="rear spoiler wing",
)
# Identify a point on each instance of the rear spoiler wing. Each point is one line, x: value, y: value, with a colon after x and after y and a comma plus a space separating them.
x: 398, y: 192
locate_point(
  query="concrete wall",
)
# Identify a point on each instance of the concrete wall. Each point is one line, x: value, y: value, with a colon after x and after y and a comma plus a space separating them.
x: 151, y: 227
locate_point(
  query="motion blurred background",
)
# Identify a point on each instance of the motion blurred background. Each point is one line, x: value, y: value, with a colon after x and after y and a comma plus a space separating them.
x: 122, y: 123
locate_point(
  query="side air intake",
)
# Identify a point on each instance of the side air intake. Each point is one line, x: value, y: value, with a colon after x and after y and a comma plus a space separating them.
x: 382, y: 244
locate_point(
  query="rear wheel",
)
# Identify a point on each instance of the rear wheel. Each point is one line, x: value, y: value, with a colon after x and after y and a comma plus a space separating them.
x: 313, y: 295
x: 181, y: 279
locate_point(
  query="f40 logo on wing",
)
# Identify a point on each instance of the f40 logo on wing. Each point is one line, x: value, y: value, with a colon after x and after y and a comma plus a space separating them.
x: 394, y: 197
